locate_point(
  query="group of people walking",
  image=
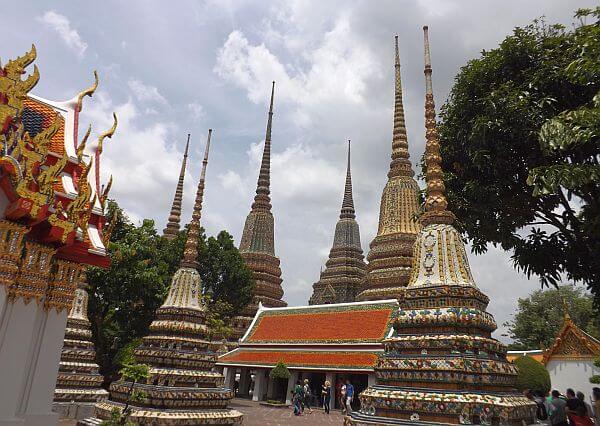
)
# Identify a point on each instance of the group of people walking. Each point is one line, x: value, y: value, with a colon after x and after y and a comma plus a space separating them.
x: 302, y: 396
x: 570, y: 409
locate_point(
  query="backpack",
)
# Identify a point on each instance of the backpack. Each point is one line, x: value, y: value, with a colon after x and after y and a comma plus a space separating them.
x: 541, y: 412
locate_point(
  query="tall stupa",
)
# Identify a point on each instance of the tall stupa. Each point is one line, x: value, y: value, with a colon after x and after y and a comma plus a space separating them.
x: 78, y: 385
x: 345, y: 268
x: 390, y: 255
x: 183, y: 388
x: 172, y: 228
x: 257, y: 246
x: 442, y: 366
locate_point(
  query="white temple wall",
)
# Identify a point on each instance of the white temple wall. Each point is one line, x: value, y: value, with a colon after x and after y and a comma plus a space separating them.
x: 17, y: 327
x: 573, y: 374
x: 38, y: 408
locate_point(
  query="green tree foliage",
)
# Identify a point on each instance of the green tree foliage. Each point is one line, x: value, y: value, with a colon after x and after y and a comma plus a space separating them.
x: 532, y: 375
x: 280, y: 371
x: 523, y: 114
x: 596, y: 379
x: 539, y: 317
x: 124, y: 298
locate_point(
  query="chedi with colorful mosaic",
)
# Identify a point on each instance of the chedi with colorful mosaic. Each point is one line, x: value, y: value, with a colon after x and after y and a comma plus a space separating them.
x: 442, y: 366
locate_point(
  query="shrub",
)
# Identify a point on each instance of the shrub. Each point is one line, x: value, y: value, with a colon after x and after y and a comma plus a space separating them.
x: 280, y: 371
x: 532, y: 375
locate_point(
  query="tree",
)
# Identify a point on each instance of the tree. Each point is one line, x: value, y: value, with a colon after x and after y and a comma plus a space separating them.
x: 532, y: 375
x: 539, y: 317
x: 124, y: 298
x: 596, y: 379
x: 520, y: 171
x: 280, y: 371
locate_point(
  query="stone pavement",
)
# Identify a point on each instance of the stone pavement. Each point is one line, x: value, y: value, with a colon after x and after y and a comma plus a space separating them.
x: 260, y: 415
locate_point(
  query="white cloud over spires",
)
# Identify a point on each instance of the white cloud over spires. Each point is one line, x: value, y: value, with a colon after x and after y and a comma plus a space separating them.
x: 62, y: 26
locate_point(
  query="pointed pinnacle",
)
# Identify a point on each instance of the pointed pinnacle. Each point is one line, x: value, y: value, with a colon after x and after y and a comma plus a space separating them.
x: 400, y: 165
x: 348, y: 202
x: 173, y: 223
x: 190, y: 252
x: 262, y: 200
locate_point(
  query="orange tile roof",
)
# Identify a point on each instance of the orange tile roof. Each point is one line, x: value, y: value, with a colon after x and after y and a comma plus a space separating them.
x: 42, y: 114
x: 512, y: 356
x: 308, y: 359
x: 345, y: 323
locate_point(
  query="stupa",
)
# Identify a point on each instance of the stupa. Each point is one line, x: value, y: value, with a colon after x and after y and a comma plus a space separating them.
x: 390, y: 255
x: 172, y: 228
x: 78, y: 385
x: 182, y: 388
x: 257, y: 245
x: 345, y: 268
x: 442, y: 366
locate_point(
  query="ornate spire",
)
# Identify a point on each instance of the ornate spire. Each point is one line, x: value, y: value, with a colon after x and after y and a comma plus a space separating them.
x: 172, y: 227
x: 190, y: 252
x: 345, y: 269
x: 400, y: 165
x: 348, y: 202
x: 262, y: 200
x: 435, y: 203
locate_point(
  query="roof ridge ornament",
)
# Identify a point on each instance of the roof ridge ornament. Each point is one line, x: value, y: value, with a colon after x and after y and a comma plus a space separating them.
x: 190, y: 252
x: 87, y: 92
x: 435, y: 202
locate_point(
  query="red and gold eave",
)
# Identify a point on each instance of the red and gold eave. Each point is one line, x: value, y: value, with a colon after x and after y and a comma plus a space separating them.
x: 78, y: 245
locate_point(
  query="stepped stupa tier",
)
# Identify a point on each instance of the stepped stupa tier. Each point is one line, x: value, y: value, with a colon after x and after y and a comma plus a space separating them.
x: 257, y: 246
x: 442, y: 366
x: 78, y: 385
x: 345, y: 268
x: 182, y: 388
x: 172, y: 228
x: 390, y: 255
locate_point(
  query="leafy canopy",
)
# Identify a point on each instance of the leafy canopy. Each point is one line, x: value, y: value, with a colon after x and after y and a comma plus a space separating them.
x: 539, y: 317
x: 280, y: 371
x: 532, y: 375
x: 521, y: 150
x: 124, y: 298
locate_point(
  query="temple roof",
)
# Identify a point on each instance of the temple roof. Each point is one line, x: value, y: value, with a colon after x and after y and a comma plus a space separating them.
x: 572, y: 342
x: 343, y: 323
x: 314, y: 360
x: 344, y: 336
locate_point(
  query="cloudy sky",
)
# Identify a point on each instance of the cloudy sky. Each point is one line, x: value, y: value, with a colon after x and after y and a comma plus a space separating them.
x: 172, y: 68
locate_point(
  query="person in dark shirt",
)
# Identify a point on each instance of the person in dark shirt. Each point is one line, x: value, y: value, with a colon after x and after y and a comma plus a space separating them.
x: 574, y: 404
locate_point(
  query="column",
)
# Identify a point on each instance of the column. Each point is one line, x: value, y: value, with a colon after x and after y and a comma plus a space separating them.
x: 372, y: 379
x: 229, y: 373
x: 260, y: 383
x: 270, y: 387
x: 290, y: 387
x: 244, y: 381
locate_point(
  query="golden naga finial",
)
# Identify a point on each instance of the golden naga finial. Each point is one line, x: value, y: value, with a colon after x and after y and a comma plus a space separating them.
x: 81, y: 146
x: 87, y: 92
x: 109, y: 230
x: 104, y: 195
x: 107, y: 134
x: 566, y: 314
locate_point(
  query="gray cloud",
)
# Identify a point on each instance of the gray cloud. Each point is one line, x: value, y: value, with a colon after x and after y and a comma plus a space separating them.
x: 211, y: 63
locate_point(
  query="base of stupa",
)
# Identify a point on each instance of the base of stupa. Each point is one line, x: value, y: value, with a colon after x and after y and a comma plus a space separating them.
x: 74, y: 410
x: 149, y: 416
x: 383, y: 405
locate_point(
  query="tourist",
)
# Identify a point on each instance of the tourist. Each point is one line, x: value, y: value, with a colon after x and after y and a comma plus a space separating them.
x: 558, y: 415
x: 596, y: 406
x: 343, y: 398
x: 573, y: 403
x: 349, y: 396
x: 298, y: 396
x: 326, y: 394
x: 542, y: 406
x: 307, y: 395
x: 588, y: 408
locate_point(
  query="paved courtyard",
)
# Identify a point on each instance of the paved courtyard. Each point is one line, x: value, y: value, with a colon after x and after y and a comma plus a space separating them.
x: 260, y: 415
